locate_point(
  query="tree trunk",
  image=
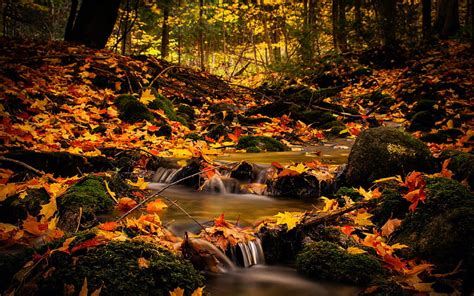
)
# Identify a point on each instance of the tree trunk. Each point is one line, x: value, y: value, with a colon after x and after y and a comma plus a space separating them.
x: 165, y: 32
x: 94, y: 23
x: 388, y: 14
x: 71, y: 19
x: 447, y: 20
x: 358, y: 18
x: 426, y: 19
x: 201, y: 35
x: 341, y: 30
x: 335, y: 14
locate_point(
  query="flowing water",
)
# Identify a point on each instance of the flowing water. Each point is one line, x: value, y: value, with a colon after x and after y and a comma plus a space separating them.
x: 247, y: 209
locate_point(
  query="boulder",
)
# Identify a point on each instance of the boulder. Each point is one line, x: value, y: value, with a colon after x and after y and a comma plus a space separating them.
x: 382, y: 152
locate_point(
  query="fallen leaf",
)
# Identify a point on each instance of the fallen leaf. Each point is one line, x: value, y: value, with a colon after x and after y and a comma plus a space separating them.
x: 177, y: 292
x: 125, y: 204
x: 155, y: 206
x: 141, y: 184
x: 291, y: 219
x: 355, y: 251
x: 109, y: 226
x: 390, y: 226
x: 84, y: 291
x: 143, y: 263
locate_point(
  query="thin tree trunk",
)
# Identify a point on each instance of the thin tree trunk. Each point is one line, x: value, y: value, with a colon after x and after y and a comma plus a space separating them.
x: 447, y: 18
x: 426, y: 15
x: 335, y: 14
x: 341, y: 32
x: 201, y: 35
x: 71, y: 19
x: 165, y: 31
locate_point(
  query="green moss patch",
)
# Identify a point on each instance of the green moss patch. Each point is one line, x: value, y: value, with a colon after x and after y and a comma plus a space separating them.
x: 131, y: 110
x: 326, y: 261
x: 261, y: 143
x: 115, y: 268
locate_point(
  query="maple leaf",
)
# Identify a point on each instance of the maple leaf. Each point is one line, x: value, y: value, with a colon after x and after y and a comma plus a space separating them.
x: 416, y: 184
x: 291, y: 219
x: 49, y: 209
x: 390, y: 226
x: 90, y: 243
x: 5, y: 175
x: 355, y: 251
x: 84, y: 291
x: 368, y: 195
x: 236, y: 135
x: 155, y: 206
x: 198, y: 292
x: 55, y: 189
x: 65, y: 246
x: 220, y: 221
x: 177, y: 292
x: 329, y: 204
x: 125, y: 204
x: 31, y: 225
x: 141, y: 184
x: 7, y: 190
x: 256, y: 188
x: 109, y: 226
x: 347, y: 230
x: 362, y: 219
x: 147, y: 97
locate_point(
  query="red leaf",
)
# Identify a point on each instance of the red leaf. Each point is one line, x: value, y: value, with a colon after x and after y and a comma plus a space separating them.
x: 93, y: 242
x: 347, y: 230
x: 220, y: 222
x: 277, y: 165
x: 109, y: 226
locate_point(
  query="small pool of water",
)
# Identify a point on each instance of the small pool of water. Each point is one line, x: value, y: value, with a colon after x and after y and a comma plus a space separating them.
x: 334, y: 152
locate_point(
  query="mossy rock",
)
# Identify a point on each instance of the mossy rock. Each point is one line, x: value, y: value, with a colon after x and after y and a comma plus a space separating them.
x: 280, y: 245
x: 261, y: 142
x: 163, y: 103
x: 350, y: 192
x: 334, y: 128
x: 115, y: 268
x: 327, y: 261
x: 422, y: 121
x: 215, y: 131
x: 383, y: 152
x: 244, y: 172
x: 391, y: 206
x: 15, y: 209
x: 461, y: 164
x: 315, y: 117
x: 11, y: 262
x: 91, y: 196
x: 250, y: 120
x: 302, y: 186
x: 441, y: 230
x: 131, y: 110
x: 188, y: 110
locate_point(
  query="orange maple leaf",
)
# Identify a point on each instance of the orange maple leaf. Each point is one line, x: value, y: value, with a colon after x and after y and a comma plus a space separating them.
x: 125, y: 204
x: 155, y: 206
x: 109, y: 226
x: 220, y: 222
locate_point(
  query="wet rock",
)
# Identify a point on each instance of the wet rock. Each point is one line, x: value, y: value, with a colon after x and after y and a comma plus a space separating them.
x: 244, y: 172
x: 280, y: 245
x: 461, y: 164
x: 334, y: 128
x: 391, y: 206
x: 303, y: 186
x: 252, y: 120
x: 327, y: 261
x: 192, y: 168
x: 261, y: 143
x: 115, y: 267
x: 422, y: 121
x: 441, y: 230
x: 383, y: 152
x: 11, y: 261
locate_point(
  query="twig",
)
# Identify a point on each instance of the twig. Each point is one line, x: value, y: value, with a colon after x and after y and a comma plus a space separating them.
x: 335, y: 214
x: 27, y: 166
x: 338, y: 112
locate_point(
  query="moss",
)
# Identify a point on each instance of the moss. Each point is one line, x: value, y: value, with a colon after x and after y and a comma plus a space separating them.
x: 11, y: 263
x: 315, y: 117
x: 303, y: 186
x: 131, y: 110
x: 280, y: 245
x: 249, y: 120
x: 327, y: 261
x: 14, y: 209
x: 114, y: 267
x: 441, y: 230
x: 383, y: 152
x: 261, y: 142
x: 334, y: 128
x: 90, y: 194
x: 215, y: 131
x: 461, y: 164
x: 350, y: 192
x: 193, y: 136
x: 188, y: 110
x: 391, y: 205
x: 422, y: 121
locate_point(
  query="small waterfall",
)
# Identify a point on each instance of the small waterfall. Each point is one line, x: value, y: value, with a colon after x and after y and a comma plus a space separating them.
x: 222, y: 185
x: 164, y: 175
x: 262, y: 175
x: 248, y: 254
x: 203, y: 246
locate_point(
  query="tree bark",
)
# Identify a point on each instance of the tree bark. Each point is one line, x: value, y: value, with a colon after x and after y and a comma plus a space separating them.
x: 71, y: 19
x: 447, y: 20
x: 388, y: 14
x: 165, y: 32
x: 94, y: 23
x: 426, y: 15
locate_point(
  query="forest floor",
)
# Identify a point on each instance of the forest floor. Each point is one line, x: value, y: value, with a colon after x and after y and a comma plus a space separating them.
x: 71, y: 114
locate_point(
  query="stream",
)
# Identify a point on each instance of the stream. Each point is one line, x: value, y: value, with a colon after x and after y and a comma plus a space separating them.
x: 248, y: 209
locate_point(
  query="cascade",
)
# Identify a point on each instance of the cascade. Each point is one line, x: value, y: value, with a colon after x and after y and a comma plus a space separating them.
x: 247, y: 254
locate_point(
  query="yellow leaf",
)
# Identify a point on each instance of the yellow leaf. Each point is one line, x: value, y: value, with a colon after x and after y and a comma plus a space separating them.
x: 329, y: 204
x: 198, y: 292
x: 300, y: 168
x: 55, y: 189
x: 147, y: 97
x: 7, y: 191
x: 97, y: 292
x: 398, y: 246
x: 363, y: 219
x: 84, y: 290
x: 141, y: 184
x: 111, y: 193
x: 355, y: 251
x: 155, y: 206
x: 397, y: 178
x: 289, y: 218
x: 177, y: 292
x: 65, y: 246
x: 368, y: 195
x: 48, y: 210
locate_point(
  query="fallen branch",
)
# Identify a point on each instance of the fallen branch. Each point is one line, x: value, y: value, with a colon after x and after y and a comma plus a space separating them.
x: 27, y: 166
x: 335, y: 214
